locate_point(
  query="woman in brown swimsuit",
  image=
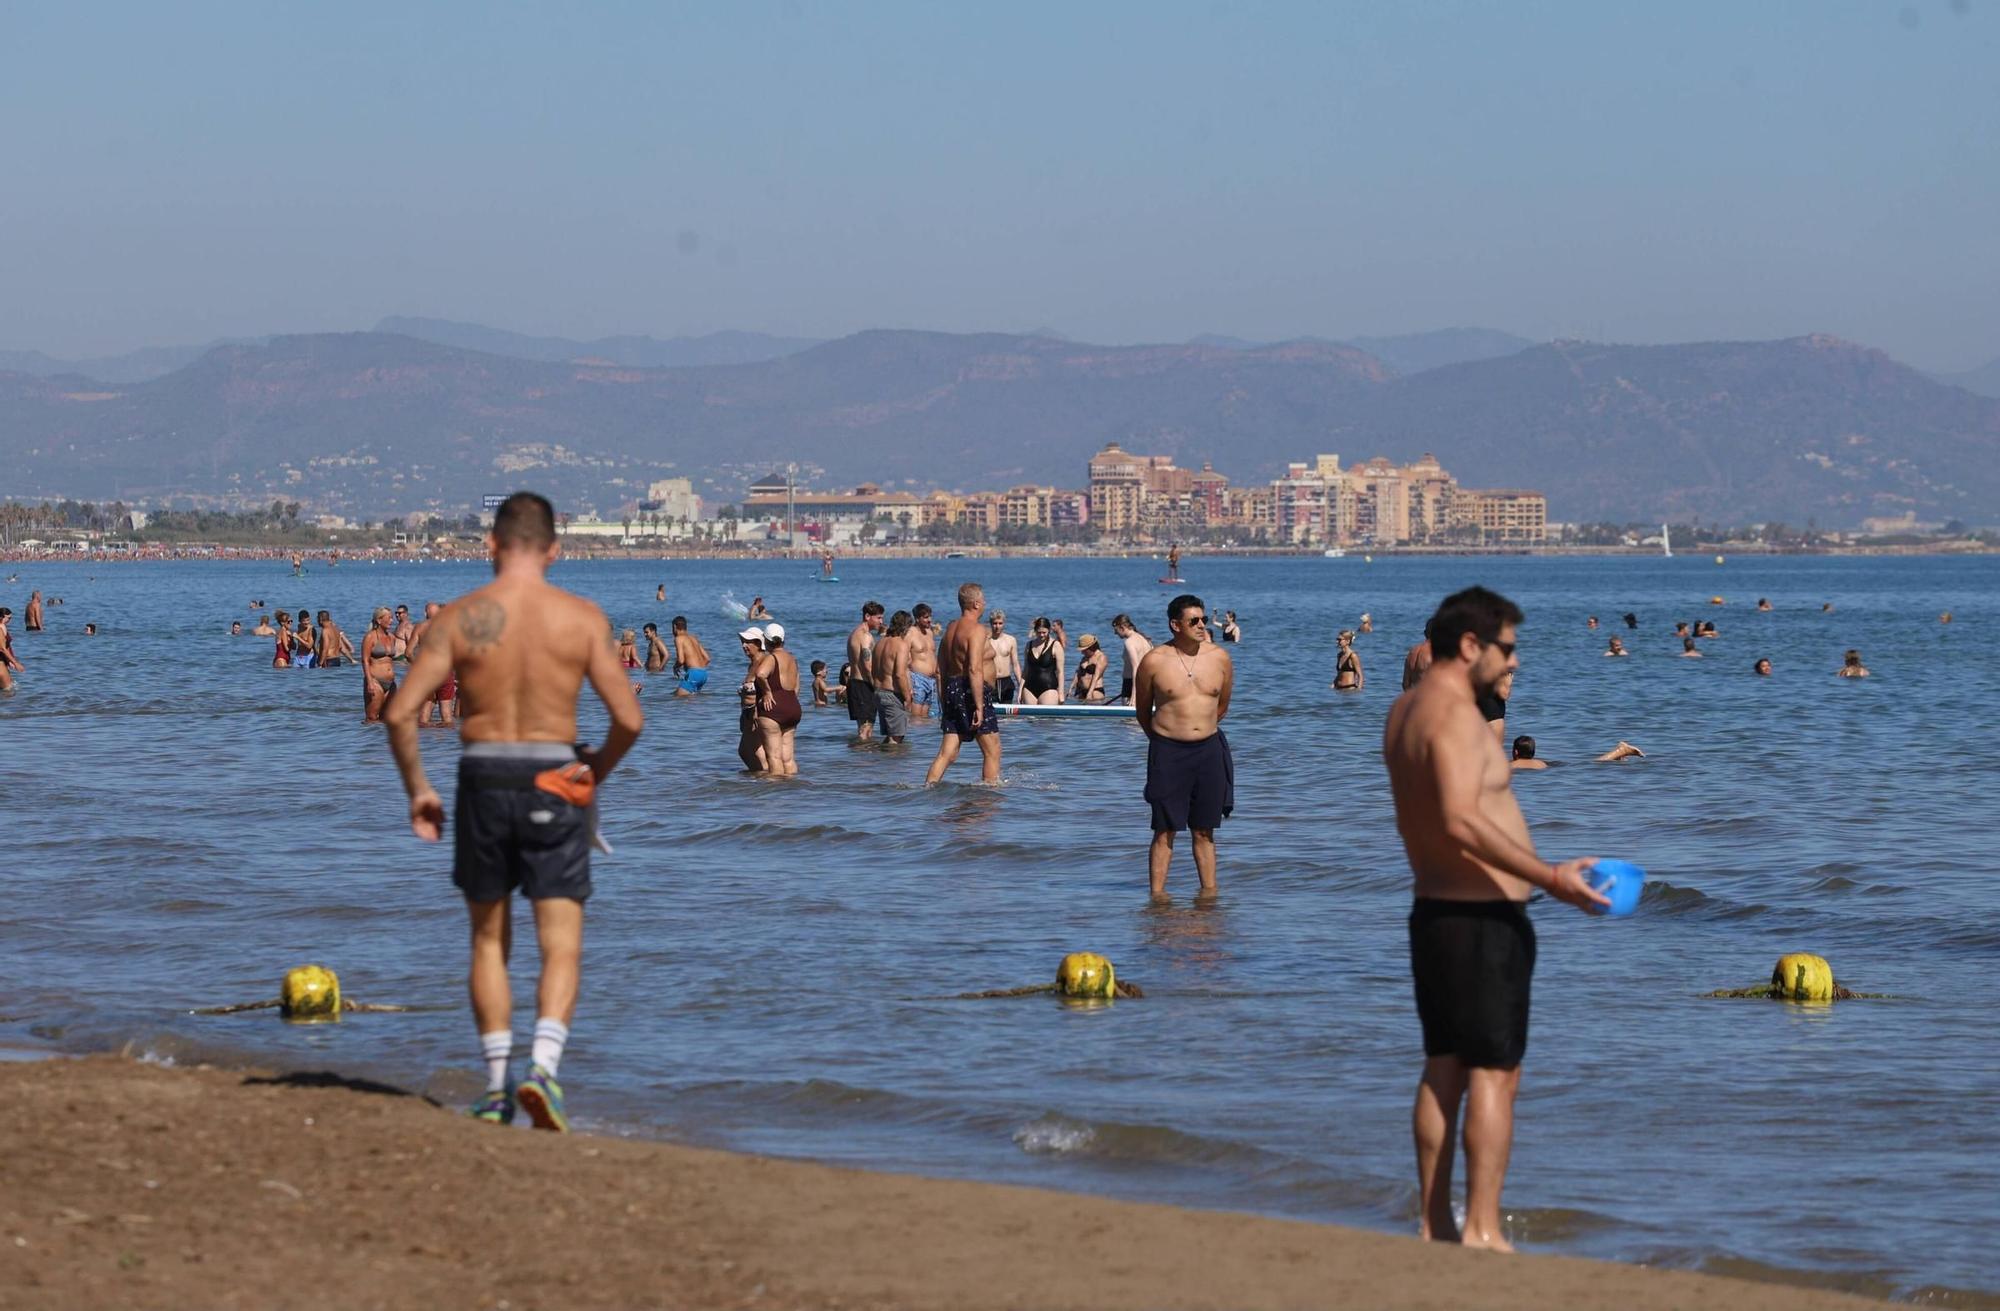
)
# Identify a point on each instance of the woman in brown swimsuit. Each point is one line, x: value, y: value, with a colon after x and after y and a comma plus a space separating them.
x: 778, y: 711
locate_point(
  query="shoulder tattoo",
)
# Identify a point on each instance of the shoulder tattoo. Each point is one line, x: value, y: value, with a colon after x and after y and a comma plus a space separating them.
x: 481, y: 623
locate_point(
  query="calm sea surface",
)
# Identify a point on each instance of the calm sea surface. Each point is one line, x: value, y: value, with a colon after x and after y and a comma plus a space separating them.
x: 767, y: 963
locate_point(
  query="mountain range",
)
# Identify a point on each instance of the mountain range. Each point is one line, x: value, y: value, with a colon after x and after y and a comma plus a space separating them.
x: 369, y: 423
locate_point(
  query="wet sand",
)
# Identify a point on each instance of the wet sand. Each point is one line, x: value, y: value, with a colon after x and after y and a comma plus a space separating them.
x: 129, y: 1184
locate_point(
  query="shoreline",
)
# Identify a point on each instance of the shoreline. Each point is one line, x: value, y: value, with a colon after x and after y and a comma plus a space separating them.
x: 136, y: 1184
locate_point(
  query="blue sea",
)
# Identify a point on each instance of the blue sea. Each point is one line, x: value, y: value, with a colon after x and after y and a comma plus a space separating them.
x: 770, y: 965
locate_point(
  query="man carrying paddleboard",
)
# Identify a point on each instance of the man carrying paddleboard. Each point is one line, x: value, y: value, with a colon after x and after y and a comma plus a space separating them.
x: 1472, y: 948
x: 526, y: 813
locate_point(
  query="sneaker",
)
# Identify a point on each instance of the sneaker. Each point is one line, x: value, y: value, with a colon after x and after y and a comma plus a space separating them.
x: 541, y: 1097
x: 496, y: 1107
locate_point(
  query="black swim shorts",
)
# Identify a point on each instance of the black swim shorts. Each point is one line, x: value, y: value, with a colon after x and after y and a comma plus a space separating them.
x: 957, y: 716
x: 1473, y: 961
x: 1191, y: 784
x: 507, y: 833
x: 861, y: 698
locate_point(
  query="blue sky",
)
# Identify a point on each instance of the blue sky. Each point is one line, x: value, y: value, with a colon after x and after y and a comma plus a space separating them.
x: 1119, y: 172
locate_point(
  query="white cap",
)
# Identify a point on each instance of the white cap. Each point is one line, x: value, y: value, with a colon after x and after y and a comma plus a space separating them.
x: 774, y: 632
x: 752, y: 634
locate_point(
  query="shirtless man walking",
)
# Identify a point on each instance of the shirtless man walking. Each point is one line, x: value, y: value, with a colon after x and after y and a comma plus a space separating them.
x: 889, y: 678
x: 922, y: 646
x: 1006, y: 656
x: 526, y: 793
x: 1181, y: 693
x: 1472, y: 947
x: 861, y: 706
x: 966, y: 698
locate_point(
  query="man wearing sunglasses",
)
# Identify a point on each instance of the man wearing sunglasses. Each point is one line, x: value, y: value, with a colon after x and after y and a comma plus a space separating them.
x: 1181, y: 692
x: 1472, y: 948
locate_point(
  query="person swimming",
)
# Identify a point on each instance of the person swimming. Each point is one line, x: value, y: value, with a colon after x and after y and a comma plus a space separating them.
x: 1851, y: 666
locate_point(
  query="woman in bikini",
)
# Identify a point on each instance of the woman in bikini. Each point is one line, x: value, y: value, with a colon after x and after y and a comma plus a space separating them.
x: 1347, y: 665
x: 776, y: 674
x: 378, y: 666
x: 628, y: 649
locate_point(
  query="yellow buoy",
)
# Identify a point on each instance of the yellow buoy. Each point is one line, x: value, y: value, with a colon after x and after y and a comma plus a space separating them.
x: 311, y: 993
x: 1802, y: 976
x: 1718, y: 559
x: 1086, y: 974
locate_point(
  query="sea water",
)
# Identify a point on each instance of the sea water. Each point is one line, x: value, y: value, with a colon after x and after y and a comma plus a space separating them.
x: 770, y: 966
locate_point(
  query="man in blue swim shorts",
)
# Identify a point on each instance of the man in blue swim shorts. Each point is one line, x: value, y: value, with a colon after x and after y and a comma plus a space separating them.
x: 921, y: 642
x: 690, y: 659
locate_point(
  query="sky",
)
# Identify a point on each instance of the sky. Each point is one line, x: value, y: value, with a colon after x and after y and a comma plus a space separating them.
x: 1118, y: 172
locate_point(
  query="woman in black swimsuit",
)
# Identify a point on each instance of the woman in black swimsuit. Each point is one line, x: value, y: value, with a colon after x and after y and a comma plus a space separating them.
x: 1347, y: 665
x: 1042, y: 667
x: 749, y: 742
x: 776, y: 674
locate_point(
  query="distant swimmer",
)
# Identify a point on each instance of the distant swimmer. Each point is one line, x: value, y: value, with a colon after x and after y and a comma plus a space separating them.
x: 757, y: 610
x: 1347, y: 676
x: 660, y: 592
x: 1367, y: 623
x: 1851, y: 666
x: 1688, y: 651
x: 1631, y: 620
x: 31, y: 618
x: 90, y: 630
x: 889, y: 676
x: 1681, y: 629
x: 1472, y: 946
x: 690, y: 659
x: 1706, y: 628
x: 966, y: 696
x: 1524, y: 756
x: 1181, y: 697
x: 378, y: 666
x: 1417, y: 659
x: 1006, y: 654
x: 1591, y: 623
x: 1042, y: 666
x: 1763, y: 667
x: 861, y: 701
x: 236, y: 628
x: 1764, y: 603
x: 1826, y: 609
x: 1231, y: 630
x: 657, y: 655
x: 778, y: 709
x: 526, y: 812
x: 1616, y: 648
x: 1945, y: 618
x: 922, y: 646
x: 1136, y: 645
x: 1090, y: 666
x: 263, y: 628
x: 298, y: 565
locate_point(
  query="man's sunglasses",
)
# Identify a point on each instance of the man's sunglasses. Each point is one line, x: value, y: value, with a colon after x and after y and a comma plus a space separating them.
x: 1504, y: 648
x: 1192, y: 619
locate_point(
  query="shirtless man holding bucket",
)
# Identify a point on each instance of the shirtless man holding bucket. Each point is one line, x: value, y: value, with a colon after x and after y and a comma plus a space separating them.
x: 1472, y: 947
x: 526, y: 793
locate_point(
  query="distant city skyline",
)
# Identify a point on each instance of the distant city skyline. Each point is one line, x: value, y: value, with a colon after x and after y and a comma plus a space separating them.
x: 1120, y: 172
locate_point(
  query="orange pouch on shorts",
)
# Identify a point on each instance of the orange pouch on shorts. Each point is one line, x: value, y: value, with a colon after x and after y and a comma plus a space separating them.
x: 573, y: 783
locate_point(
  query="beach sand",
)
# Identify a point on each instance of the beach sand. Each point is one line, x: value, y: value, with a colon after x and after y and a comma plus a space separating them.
x: 133, y: 1185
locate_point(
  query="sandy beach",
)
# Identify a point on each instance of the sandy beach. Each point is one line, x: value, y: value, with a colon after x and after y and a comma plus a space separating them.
x: 129, y: 1184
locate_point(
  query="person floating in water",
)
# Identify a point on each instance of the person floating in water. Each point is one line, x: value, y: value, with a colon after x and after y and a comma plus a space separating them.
x: 1762, y: 668
x: 1616, y: 648
x: 757, y: 610
x: 1688, y: 651
x: 1851, y: 666
x: 1472, y: 945
x: 1181, y: 696
x: 526, y: 811
x: 1524, y: 756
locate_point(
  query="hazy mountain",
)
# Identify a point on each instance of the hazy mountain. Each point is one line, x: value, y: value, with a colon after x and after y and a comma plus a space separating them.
x: 373, y: 422
x: 1413, y: 352
x: 1410, y: 353
x: 638, y: 352
x: 133, y: 366
x: 1985, y: 380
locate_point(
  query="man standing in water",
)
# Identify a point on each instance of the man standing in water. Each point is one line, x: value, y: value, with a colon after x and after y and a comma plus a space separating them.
x: 1472, y: 948
x: 690, y: 659
x: 889, y: 672
x: 921, y: 644
x: 967, y: 714
x: 1136, y: 645
x: 31, y: 619
x: 526, y: 793
x: 1006, y: 655
x: 1181, y: 694
x: 9, y: 666
x: 861, y: 705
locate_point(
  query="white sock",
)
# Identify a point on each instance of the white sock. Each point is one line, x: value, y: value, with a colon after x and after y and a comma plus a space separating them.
x: 550, y: 1035
x: 498, y: 1048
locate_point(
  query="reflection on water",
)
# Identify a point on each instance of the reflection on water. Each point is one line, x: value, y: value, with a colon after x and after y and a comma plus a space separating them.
x: 764, y: 963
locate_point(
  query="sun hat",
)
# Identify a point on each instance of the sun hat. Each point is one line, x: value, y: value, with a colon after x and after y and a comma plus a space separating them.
x: 1087, y: 640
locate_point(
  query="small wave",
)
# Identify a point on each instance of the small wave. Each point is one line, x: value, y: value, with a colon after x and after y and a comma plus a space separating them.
x: 780, y: 834
x: 1055, y: 1134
